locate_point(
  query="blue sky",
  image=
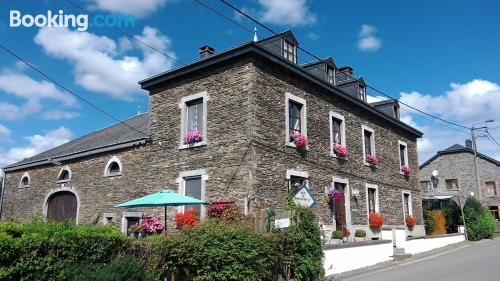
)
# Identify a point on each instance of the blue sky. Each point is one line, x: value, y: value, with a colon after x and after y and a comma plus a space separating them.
x: 439, y: 56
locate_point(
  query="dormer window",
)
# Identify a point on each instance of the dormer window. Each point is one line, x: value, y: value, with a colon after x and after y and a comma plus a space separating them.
x: 331, y: 75
x: 289, y: 51
x: 396, y: 112
x: 362, y: 92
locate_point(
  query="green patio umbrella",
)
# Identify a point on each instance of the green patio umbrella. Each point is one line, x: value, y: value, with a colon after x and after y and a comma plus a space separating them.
x: 165, y: 198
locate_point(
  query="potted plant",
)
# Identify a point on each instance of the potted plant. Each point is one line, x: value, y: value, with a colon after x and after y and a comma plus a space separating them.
x: 193, y: 137
x: 376, y: 222
x: 411, y: 221
x: 152, y: 225
x: 340, y: 150
x: 406, y: 170
x: 359, y: 235
x: 135, y: 231
x: 299, y: 139
x: 372, y: 160
x: 336, y: 237
x: 345, y: 234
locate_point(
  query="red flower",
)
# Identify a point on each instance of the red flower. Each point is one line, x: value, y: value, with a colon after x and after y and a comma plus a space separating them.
x: 345, y: 232
x: 187, y: 219
x: 376, y: 221
x: 411, y: 221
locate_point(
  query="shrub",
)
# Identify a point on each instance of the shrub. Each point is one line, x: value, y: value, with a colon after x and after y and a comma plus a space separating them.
x: 123, y: 269
x: 345, y: 232
x: 376, y: 221
x: 430, y: 223
x: 360, y: 233
x: 480, y: 224
x: 411, y: 221
x: 216, y: 209
x: 187, y: 219
x: 453, y: 217
x: 337, y: 234
x: 232, y: 213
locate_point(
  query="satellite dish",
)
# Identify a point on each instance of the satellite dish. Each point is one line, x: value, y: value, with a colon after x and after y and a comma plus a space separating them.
x: 435, y: 173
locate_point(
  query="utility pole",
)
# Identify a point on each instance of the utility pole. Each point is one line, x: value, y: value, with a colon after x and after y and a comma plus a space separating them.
x: 474, y: 147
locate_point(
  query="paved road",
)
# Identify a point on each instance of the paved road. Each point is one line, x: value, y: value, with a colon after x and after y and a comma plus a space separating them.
x: 477, y: 262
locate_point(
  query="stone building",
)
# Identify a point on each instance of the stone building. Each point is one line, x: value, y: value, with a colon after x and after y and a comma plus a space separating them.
x: 243, y: 103
x: 456, y: 176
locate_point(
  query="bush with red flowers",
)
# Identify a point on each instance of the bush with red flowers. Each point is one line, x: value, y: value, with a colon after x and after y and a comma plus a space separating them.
x: 411, y: 221
x: 152, y: 225
x: 376, y: 221
x: 406, y: 170
x: 216, y: 209
x: 345, y: 232
x: 299, y: 139
x: 187, y: 219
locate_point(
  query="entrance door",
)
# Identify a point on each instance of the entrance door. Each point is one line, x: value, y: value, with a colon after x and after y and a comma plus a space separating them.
x: 340, y: 216
x: 62, y: 205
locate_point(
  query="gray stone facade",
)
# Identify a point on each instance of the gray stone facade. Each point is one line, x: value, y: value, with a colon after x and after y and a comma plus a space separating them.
x: 245, y: 157
x: 458, y: 163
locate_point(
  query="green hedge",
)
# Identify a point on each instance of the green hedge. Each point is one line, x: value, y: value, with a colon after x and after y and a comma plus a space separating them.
x: 479, y: 222
x: 213, y: 250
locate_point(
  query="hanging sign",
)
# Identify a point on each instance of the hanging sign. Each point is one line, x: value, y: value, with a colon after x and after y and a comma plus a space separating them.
x: 303, y: 197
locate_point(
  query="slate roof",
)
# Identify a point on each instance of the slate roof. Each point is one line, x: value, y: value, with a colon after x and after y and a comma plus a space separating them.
x: 457, y: 148
x: 110, y: 138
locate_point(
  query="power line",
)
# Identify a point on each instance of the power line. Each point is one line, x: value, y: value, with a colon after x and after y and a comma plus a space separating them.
x: 316, y: 57
x: 492, y: 139
x: 68, y: 90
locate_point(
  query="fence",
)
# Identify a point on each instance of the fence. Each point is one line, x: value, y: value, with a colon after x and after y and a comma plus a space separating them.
x: 268, y: 219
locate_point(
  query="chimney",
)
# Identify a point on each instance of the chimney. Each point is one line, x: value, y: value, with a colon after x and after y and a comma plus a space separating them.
x: 347, y: 70
x: 468, y: 144
x: 206, y: 51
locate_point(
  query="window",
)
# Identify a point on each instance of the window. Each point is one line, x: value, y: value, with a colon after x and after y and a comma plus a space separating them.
x: 113, y: 167
x: 296, y: 180
x: 451, y: 184
x: 372, y: 198
x: 403, y: 155
x: 337, y: 128
x: 331, y: 75
x: 107, y: 218
x: 425, y: 186
x: 130, y: 219
x: 25, y: 181
x: 362, y: 92
x: 64, y: 175
x: 407, y: 210
x: 396, y: 112
x: 491, y: 188
x: 194, y: 118
x: 290, y: 51
x: 295, y: 112
x: 368, y: 142
x: 192, y: 183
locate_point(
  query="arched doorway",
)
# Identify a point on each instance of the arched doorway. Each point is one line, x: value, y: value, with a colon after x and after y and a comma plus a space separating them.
x: 62, y: 205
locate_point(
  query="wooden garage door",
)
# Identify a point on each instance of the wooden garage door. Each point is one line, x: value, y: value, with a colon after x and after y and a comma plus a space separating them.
x: 62, y: 205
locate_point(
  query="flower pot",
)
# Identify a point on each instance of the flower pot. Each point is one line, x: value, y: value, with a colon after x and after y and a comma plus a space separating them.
x: 345, y: 239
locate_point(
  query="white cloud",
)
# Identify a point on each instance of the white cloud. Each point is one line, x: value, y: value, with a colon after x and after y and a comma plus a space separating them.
x: 4, y: 132
x: 59, y: 114
x: 129, y: 7
x: 313, y: 36
x: 367, y: 39
x: 37, y: 144
x: 464, y: 104
x: 99, y: 65
x: 286, y: 12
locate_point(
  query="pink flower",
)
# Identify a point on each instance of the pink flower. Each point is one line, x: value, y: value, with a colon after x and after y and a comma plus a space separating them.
x: 152, y: 225
x: 372, y: 159
x: 336, y: 194
x: 406, y: 170
x: 193, y: 137
x: 299, y: 139
x: 340, y: 150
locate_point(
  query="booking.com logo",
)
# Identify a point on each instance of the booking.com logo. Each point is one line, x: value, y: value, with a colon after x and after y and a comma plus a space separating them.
x: 59, y: 19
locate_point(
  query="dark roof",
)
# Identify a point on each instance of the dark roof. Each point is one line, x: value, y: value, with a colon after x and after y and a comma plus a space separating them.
x: 329, y: 61
x: 254, y: 48
x: 110, y: 138
x: 288, y: 34
x: 384, y: 102
x: 457, y: 148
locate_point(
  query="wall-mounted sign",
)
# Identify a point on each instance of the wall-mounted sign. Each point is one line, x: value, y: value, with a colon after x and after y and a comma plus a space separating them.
x: 303, y: 197
x: 282, y: 223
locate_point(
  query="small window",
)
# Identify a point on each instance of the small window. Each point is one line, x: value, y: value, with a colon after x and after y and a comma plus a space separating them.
x: 195, y: 115
x: 296, y: 182
x: 425, y: 186
x: 114, y: 168
x: 64, y: 175
x: 368, y: 139
x: 368, y: 142
x: 362, y: 92
x: 491, y: 188
x: 451, y: 184
x: 403, y: 154
x: 372, y: 195
x: 193, y: 120
x: 295, y: 110
x: 336, y: 130
x: 295, y: 118
x: 406, y: 204
x: 131, y: 221
x: 290, y: 51
x: 193, y: 189
x: 25, y: 181
x: 108, y: 218
x: 331, y: 75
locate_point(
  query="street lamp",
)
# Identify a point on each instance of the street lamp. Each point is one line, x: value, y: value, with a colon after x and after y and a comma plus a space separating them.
x: 474, y: 147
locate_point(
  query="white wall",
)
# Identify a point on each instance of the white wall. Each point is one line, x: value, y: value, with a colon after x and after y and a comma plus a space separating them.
x: 346, y: 259
x: 416, y: 246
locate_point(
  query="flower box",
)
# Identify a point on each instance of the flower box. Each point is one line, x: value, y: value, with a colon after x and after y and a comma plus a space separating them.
x: 340, y: 151
x: 193, y: 137
x: 300, y: 140
x: 372, y: 160
x: 406, y: 170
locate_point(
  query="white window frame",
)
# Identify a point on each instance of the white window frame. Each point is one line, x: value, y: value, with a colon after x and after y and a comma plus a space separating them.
x: 342, y: 131
x: 410, y: 205
x: 21, y: 181
x: 126, y: 215
x: 181, y: 182
x: 347, y: 204
x: 303, y: 118
x: 334, y: 82
x: 372, y: 142
x: 295, y: 173
x: 377, y: 207
x: 106, y: 218
x: 405, y: 156
x: 183, y: 106
x: 66, y: 167
x: 107, y: 172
